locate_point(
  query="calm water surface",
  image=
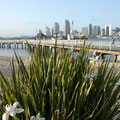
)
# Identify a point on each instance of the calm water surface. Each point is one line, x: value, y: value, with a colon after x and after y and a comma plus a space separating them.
x: 24, y: 52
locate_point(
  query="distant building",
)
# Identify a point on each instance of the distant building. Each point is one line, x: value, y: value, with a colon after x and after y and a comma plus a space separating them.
x: 40, y: 35
x: 74, y: 32
x: 52, y: 33
x: 117, y: 29
x: 56, y: 28
x: 94, y: 31
x: 47, y: 32
x: 108, y: 30
x: 85, y: 30
x: 61, y: 34
x: 90, y: 29
x: 66, y: 28
x: 98, y: 32
x: 103, y: 32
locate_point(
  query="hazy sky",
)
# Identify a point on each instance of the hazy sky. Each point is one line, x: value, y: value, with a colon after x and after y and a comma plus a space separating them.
x: 26, y: 17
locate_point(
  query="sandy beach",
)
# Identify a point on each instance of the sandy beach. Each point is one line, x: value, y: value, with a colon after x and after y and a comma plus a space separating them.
x: 5, y: 64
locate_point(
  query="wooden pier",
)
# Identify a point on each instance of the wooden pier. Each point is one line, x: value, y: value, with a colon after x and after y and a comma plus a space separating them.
x: 34, y: 43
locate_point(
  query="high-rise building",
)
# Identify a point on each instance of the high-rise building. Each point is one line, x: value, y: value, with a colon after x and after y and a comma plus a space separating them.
x: 56, y: 28
x: 98, y: 32
x: 117, y: 29
x: 90, y: 29
x: 103, y: 32
x: 52, y: 32
x: 47, y: 32
x: 108, y: 30
x: 66, y: 28
x: 94, y: 30
x: 85, y: 30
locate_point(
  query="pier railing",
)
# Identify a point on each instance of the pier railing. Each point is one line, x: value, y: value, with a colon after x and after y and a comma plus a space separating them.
x: 102, y: 47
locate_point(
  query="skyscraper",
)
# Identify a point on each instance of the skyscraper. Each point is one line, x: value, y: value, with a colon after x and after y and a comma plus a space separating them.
x: 52, y: 33
x: 47, y: 32
x: 66, y: 28
x: 108, y: 30
x: 94, y: 30
x: 98, y: 32
x: 90, y: 29
x: 103, y: 32
x: 56, y: 28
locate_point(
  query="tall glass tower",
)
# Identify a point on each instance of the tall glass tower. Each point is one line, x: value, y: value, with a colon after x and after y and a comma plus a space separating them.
x: 66, y: 28
x: 56, y: 28
x: 90, y: 29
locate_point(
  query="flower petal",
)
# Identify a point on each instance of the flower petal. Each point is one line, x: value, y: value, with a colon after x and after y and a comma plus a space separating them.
x: 33, y: 118
x: 12, y: 114
x: 38, y: 116
x: 7, y: 107
x: 15, y: 104
x: 19, y: 110
x: 5, y: 116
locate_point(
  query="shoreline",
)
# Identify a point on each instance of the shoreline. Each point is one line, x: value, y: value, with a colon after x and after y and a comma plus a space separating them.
x: 5, y: 64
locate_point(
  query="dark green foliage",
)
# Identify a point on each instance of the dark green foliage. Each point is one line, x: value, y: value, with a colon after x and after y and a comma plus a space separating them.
x: 57, y: 86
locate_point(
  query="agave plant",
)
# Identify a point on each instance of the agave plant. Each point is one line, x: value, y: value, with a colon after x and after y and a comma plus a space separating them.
x: 57, y: 86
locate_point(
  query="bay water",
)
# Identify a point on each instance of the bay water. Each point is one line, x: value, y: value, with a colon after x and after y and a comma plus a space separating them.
x: 23, y: 52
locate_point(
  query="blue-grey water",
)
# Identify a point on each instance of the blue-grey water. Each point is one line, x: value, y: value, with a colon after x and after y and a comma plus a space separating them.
x: 22, y: 51
x: 10, y: 52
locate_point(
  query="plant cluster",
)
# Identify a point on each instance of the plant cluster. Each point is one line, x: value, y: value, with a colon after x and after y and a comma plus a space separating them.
x: 57, y: 86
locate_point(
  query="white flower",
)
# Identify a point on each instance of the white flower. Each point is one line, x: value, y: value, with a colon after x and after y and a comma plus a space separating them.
x: 11, y: 110
x: 37, y: 117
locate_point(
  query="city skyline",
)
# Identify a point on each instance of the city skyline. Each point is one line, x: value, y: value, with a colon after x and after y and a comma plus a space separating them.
x: 26, y: 17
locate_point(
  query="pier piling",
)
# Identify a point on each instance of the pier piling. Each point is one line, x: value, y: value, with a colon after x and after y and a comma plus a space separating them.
x: 115, y: 58
x: 64, y: 45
